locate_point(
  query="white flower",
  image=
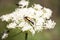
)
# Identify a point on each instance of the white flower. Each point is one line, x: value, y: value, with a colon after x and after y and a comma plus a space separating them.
x: 5, y: 35
x: 47, y: 13
x: 40, y: 21
x: 37, y: 6
x: 5, y: 17
x: 26, y: 27
x: 12, y: 25
x: 38, y: 28
x: 38, y: 13
x: 30, y: 12
x: 23, y: 3
x: 50, y: 24
x: 39, y: 24
x: 22, y: 24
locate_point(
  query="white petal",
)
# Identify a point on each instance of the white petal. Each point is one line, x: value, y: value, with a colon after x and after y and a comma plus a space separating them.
x: 5, y: 35
x: 12, y: 25
x: 37, y: 6
x: 50, y: 24
x: 23, y: 3
x: 47, y: 13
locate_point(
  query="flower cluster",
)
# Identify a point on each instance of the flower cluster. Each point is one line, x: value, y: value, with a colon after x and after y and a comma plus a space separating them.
x: 33, y: 19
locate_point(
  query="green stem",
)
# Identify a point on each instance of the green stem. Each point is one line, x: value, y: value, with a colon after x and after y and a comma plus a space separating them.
x: 26, y: 35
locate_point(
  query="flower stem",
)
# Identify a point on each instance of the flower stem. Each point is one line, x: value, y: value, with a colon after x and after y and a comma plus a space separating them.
x: 26, y: 35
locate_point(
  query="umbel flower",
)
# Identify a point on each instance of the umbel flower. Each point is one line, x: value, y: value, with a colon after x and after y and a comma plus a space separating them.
x: 33, y: 19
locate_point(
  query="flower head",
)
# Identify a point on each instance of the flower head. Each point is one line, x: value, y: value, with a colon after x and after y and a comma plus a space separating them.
x: 29, y: 18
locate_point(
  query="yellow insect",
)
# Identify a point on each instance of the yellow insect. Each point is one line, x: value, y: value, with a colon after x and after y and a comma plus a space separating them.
x: 29, y: 20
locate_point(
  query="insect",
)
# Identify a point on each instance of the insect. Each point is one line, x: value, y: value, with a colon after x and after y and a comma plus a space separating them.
x: 28, y: 19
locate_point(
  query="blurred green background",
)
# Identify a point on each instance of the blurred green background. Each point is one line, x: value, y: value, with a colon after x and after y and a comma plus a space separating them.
x: 8, y: 6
